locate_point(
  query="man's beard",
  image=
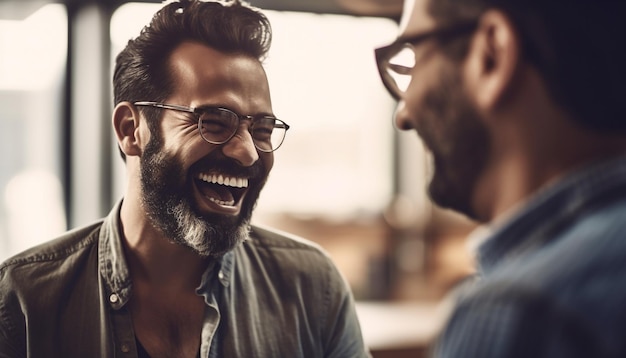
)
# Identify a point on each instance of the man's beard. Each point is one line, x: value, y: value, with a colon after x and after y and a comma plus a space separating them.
x: 167, y: 199
x: 452, y: 129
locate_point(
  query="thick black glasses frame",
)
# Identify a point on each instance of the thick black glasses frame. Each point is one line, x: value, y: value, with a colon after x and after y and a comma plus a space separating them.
x: 384, y: 54
x: 199, y: 111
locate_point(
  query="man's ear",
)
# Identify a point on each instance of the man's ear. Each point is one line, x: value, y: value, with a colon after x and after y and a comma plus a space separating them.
x: 126, y: 120
x: 493, y: 59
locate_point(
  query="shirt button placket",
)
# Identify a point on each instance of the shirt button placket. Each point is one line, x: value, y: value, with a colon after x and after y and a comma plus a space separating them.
x: 125, y: 348
x: 114, y: 298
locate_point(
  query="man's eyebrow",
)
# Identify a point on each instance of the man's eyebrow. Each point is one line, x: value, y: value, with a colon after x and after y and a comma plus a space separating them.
x: 216, y: 105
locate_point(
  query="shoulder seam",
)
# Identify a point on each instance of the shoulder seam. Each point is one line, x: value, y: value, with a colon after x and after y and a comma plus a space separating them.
x: 89, y: 239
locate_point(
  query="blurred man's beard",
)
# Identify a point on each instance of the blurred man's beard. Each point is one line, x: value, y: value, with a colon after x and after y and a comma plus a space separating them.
x: 452, y: 130
x: 168, y: 201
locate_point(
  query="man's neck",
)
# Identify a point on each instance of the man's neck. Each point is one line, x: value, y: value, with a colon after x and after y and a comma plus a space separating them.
x: 153, y: 258
x: 515, y: 175
x: 534, y: 143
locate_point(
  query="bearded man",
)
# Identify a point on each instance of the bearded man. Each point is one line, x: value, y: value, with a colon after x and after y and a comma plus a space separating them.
x: 176, y: 269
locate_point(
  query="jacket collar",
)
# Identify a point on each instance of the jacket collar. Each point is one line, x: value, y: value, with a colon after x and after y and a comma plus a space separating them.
x: 553, y: 208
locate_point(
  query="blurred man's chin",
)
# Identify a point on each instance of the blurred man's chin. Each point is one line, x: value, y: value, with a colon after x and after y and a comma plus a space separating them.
x: 446, y: 195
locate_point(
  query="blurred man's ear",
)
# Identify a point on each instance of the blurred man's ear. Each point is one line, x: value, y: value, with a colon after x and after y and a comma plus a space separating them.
x: 493, y: 59
x: 126, y: 120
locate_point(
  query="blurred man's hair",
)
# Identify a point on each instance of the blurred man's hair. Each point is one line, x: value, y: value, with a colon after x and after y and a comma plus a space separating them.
x: 578, y: 46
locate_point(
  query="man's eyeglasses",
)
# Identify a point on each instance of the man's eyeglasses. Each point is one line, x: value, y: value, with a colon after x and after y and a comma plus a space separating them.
x: 396, y: 61
x: 218, y: 125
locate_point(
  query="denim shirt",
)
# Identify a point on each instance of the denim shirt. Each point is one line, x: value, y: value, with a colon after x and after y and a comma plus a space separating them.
x: 552, y: 277
x: 272, y: 296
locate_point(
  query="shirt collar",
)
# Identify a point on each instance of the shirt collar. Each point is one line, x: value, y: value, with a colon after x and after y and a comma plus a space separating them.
x: 538, y: 220
x: 114, y: 269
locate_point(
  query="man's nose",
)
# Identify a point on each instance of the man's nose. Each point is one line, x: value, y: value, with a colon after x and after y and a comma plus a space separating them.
x: 401, y: 118
x: 241, y: 148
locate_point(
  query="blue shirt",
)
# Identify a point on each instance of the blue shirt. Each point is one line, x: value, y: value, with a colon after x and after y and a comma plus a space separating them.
x: 272, y: 296
x: 552, y: 278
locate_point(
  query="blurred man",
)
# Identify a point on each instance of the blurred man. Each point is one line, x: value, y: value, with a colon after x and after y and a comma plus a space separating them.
x: 520, y: 104
x: 176, y: 270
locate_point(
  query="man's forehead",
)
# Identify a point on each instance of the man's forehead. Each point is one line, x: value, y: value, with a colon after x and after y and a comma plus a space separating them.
x: 415, y: 18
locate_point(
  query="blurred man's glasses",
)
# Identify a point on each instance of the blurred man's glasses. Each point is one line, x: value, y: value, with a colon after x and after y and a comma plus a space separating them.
x: 218, y: 125
x: 396, y: 61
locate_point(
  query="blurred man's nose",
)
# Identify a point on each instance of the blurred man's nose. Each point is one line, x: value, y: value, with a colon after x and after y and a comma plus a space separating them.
x: 241, y: 148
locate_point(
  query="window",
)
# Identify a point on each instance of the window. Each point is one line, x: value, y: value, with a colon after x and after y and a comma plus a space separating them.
x: 32, y: 67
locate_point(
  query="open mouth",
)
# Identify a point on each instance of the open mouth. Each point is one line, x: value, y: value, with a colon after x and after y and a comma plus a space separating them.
x: 222, y: 189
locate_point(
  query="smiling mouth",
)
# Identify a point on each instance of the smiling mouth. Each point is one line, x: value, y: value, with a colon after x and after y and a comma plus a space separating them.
x: 222, y: 189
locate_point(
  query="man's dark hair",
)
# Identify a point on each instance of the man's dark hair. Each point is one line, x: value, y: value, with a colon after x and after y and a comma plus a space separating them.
x: 578, y: 46
x: 141, y: 69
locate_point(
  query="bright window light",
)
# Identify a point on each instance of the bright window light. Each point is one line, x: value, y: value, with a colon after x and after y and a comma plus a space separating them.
x: 32, y: 66
x: 32, y: 50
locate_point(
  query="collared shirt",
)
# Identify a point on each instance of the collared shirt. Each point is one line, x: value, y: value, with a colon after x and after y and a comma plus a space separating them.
x: 272, y: 296
x: 552, y: 278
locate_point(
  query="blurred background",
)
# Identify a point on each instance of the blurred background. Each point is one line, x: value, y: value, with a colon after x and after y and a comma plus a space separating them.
x: 343, y: 178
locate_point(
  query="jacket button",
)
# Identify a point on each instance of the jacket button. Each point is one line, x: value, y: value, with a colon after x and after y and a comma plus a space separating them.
x: 113, y: 298
x: 125, y: 348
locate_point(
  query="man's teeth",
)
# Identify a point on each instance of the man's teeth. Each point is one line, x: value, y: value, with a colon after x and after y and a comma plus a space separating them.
x: 221, y: 202
x: 223, y: 180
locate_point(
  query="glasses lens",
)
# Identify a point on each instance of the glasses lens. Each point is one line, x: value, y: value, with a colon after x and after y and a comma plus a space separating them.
x: 268, y: 133
x: 399, y: 67
x: 218, y: 125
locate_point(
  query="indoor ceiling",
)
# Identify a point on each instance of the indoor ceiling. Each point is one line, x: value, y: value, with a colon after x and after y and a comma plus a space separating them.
x: 19, y: 9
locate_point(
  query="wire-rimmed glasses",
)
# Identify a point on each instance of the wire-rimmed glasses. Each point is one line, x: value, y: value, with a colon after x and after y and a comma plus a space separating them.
x: 218, y: 125
x: 396, y: 61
